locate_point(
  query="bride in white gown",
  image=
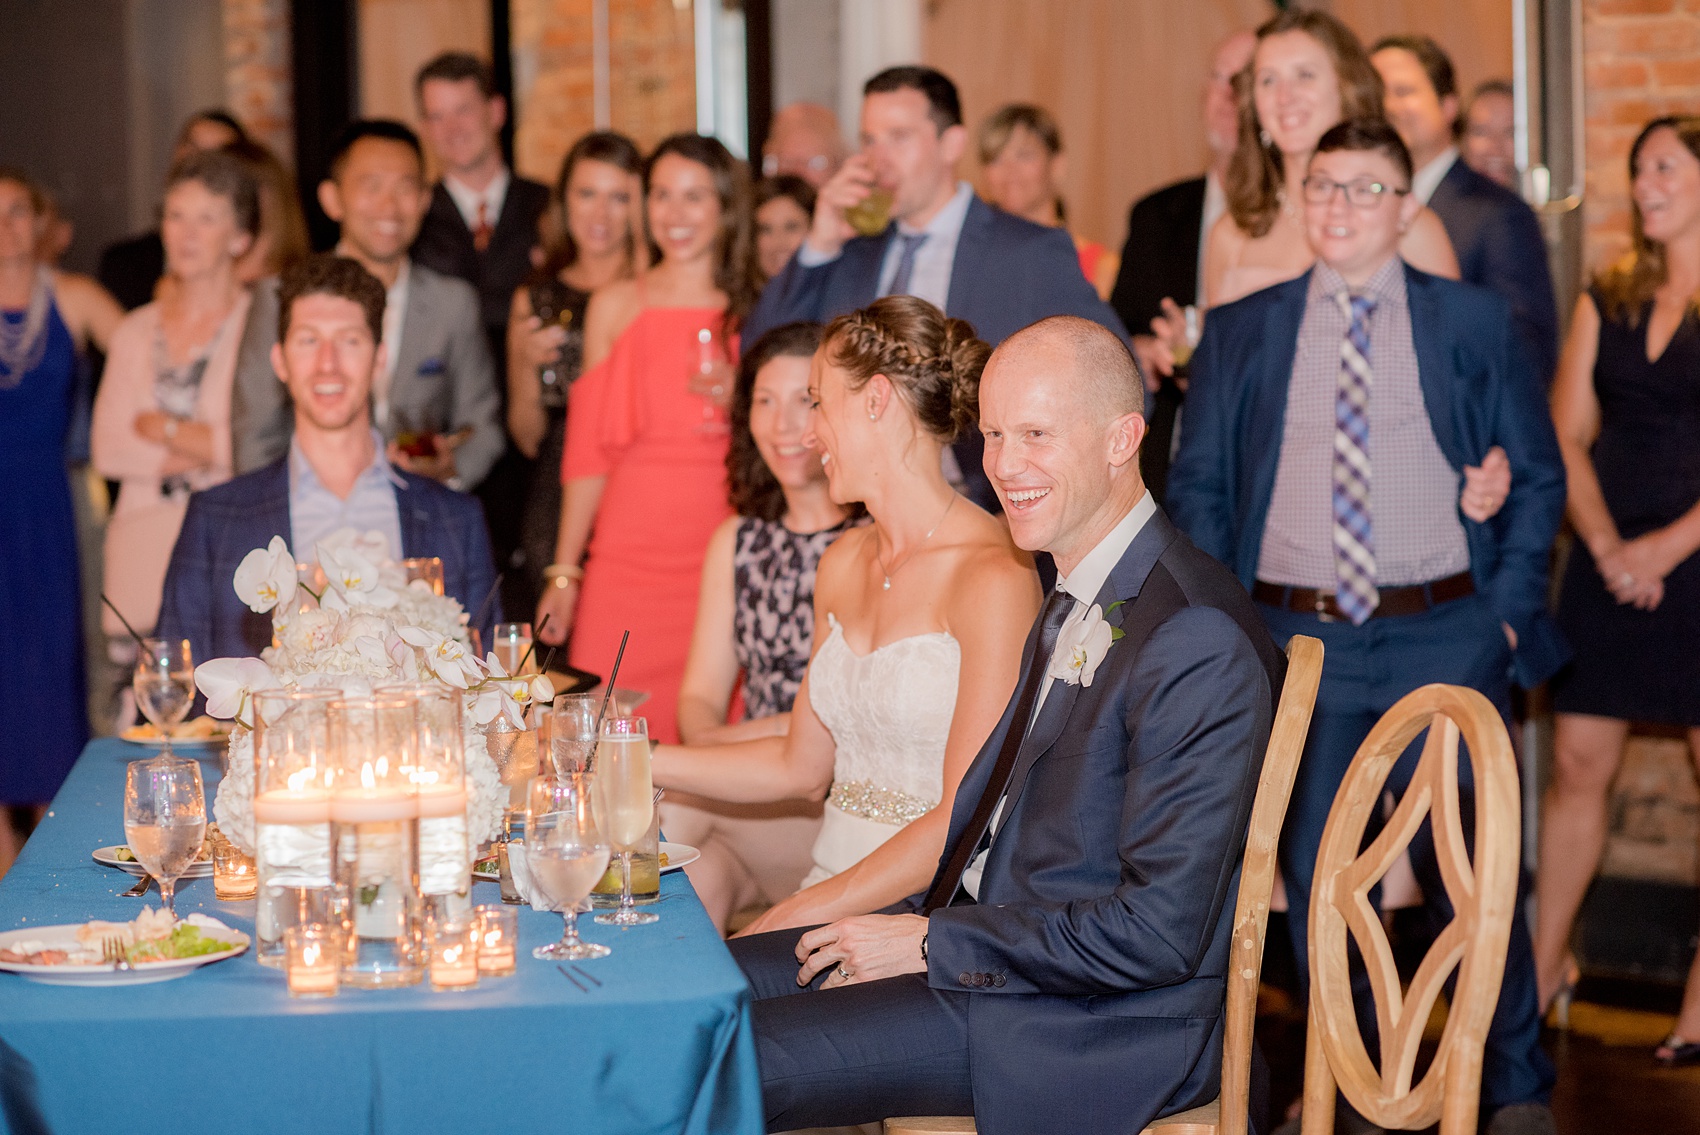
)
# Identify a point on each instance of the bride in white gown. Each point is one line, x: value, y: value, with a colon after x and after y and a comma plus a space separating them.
x: 920, y: 622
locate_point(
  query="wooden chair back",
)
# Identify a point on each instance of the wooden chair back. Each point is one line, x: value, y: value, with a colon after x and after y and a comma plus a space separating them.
x: 1227, y: 1113
x: 1482, y: 895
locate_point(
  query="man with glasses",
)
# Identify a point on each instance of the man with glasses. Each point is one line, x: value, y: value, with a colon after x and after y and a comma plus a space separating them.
x: 1329, y: 421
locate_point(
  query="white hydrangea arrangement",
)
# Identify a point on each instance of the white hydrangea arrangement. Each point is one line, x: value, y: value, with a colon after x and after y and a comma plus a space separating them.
x: 369, y: 627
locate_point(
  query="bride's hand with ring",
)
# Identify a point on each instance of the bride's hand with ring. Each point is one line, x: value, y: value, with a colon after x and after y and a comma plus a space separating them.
x: 867, y: 947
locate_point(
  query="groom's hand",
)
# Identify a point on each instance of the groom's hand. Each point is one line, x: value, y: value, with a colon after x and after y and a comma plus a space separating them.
x: 865, y: 948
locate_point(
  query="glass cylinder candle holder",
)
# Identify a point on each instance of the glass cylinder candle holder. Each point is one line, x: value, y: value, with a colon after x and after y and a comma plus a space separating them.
x: 498, y: 939
x: 453, y: 945
x: 437, y: 763
x: 375, y: 831
x: 234, y: 877
x: 428, y: 569
x: 293, y: 767
x: 312, y: 959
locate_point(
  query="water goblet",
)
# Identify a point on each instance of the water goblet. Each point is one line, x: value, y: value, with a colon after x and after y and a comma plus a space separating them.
x: 165, y: 818
x: 164, y: 684
x: 571, y: 729
x: 625, y: 799
x: 565, y: 854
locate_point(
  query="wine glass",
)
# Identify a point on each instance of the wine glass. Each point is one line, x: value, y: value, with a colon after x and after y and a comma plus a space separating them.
x: 164, y: 684
x: 709, y: 381
x: 572, y: 732
x: 565, y: 855
x: 165, y: 818
x: 625, y: 802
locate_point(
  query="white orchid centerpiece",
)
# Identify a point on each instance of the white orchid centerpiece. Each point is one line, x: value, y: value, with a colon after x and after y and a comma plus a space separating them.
x: 367, y: 627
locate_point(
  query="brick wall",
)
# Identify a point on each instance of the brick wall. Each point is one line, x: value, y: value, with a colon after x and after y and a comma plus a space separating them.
x: 257, y: 81
x: 652, y: 68
x: 1641, y: 59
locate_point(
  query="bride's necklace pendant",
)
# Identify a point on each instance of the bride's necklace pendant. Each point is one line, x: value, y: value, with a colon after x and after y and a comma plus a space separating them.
x: 886, y: 586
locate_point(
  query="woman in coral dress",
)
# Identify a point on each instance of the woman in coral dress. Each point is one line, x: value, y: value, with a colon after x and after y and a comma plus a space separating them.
x: 645, y: 463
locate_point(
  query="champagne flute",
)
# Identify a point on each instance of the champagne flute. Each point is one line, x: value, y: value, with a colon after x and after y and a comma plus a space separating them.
x: 512, y: 643
x: 164, y: 684
x: 165, y: 818
x: 712, y: 377
x: 565, y: 855
x: 625, y: 799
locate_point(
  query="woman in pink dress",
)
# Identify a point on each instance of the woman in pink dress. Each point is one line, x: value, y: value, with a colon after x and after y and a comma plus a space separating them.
x: 645, y: 463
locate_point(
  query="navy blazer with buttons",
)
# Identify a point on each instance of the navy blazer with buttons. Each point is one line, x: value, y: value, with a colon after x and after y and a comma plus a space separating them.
x: 1008, y: 273
x: 1097, y: 951
x: 1499, y: 246
x: 1479, y: 391
x: 228, y: 521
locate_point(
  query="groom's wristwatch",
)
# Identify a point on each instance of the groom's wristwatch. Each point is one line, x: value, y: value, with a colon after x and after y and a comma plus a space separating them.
x: 923, y: 947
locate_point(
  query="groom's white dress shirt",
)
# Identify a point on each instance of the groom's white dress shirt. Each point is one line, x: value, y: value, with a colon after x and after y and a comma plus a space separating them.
x: 1083, y: 583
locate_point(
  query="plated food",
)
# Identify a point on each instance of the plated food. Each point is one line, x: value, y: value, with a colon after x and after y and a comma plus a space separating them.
x: 202, y: 730
x: 121, y: 857
x: 155, y: 946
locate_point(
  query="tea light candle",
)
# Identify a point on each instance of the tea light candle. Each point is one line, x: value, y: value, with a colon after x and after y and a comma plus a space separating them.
x: 454, y: 954
x: 312, y: 962
x: 498, y: 937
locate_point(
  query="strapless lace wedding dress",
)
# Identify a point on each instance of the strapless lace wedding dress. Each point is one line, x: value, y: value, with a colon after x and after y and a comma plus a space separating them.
x: 889, y: 714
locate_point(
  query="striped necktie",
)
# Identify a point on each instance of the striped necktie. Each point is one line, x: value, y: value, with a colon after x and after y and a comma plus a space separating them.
x: 905, y: 263
x: 1354, y: 534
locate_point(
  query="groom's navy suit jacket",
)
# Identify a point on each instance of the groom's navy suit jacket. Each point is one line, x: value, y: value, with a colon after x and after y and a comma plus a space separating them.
x: 1008, y: 272
x: 228, y: 521
x: 1097, y: 953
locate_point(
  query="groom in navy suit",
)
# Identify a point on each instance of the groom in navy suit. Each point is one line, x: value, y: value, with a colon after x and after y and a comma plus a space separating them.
x: 329, y: 343
x: 1330, y: 421
x: 1065, y: 969
x: 943, y: 244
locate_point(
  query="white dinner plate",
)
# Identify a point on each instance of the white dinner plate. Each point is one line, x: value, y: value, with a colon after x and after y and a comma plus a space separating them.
x: 678, y: 854
x: 144, y: 973
x: 108, y: 857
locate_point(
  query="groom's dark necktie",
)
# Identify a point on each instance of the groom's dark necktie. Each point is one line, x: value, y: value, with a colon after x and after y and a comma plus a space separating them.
x: 1055, y: 614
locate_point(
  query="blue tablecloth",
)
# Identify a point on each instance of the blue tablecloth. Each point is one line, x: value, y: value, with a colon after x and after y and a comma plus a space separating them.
x: 662, y: 1045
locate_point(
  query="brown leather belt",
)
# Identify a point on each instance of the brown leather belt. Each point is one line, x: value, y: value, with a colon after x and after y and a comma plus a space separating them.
x: 1412, y: 600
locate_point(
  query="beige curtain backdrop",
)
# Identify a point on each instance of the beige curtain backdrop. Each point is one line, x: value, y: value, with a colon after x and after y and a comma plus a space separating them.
x: 1124, y: 77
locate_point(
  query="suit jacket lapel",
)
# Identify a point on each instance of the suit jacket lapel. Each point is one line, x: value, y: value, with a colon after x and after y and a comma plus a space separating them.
x: 1433, y: 370
x: 416, y: 526
x: 1124, y: 584
x: 448, y: 213
x: 410, y: 345
x: 1265, y: 419
x: 969, y: 267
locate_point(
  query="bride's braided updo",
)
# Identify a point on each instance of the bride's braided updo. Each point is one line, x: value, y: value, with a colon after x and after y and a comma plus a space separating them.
x: 933, y: 361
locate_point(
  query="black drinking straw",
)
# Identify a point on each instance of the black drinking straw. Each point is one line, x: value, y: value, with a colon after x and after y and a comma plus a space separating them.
x: 606, y: 695
x: 547, y: 658
x: 535, y: 635
x: 484, y: 607
x: 111, y: 607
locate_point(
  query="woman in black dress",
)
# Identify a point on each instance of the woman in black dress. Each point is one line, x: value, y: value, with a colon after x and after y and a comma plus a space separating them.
x: 592, y: 216
x: 1627, y: 407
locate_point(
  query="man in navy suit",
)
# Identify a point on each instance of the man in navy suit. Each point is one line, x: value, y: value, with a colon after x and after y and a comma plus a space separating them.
x: 1495, y: 234
x: 944, y: 244
x: 1329, y: 424
x: 335, y: 475
x: 1065, y: 969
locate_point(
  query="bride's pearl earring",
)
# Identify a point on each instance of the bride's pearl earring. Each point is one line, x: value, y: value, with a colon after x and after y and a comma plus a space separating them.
x: 873, y: 416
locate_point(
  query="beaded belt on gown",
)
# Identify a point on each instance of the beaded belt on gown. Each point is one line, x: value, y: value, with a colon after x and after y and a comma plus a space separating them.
x: 870, y: 801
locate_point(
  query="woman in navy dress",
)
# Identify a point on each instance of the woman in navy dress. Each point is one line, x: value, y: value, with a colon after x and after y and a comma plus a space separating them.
x: 44, y: 315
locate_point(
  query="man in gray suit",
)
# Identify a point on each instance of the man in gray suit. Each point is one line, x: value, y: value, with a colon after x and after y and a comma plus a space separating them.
x: 438, y: 405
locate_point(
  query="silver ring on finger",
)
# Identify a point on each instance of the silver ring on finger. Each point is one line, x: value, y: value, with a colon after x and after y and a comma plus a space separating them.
x: 845, y: 974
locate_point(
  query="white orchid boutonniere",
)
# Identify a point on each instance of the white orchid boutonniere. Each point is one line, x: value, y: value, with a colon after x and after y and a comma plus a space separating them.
x: 1081, y: 646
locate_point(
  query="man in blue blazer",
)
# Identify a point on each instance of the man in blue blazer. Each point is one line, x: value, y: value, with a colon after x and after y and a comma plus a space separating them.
x: 1495, y: 234
x: 329, y: 343
x: 942, y: 243
x: 1329, y: 423
x: 1065, y: 969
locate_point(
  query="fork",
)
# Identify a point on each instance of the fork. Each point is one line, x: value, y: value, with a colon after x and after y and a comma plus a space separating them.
x: 140, y: 889
x: 112, y: 953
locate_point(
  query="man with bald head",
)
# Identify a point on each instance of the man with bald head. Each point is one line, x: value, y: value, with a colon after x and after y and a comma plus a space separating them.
x: 803, y: 140
x: 1083, y: 903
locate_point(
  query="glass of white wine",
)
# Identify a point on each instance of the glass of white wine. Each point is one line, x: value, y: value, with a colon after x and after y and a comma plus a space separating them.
x: 512, y: 645
x: 165, y: 818
x: 625, y: 803
x: 164, y: 684
x: 565, y: 855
